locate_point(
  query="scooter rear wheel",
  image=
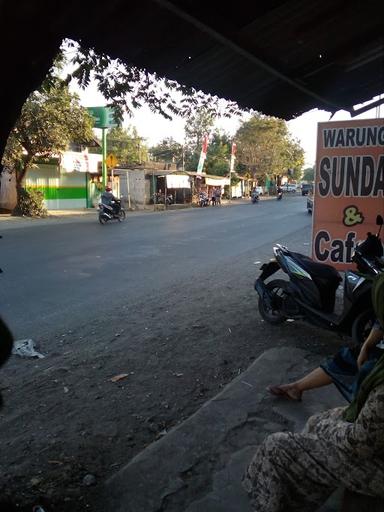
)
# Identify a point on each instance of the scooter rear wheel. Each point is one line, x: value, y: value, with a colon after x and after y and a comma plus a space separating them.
x: 362, y: 326
x: 273, y: 314
x: 102, y: 219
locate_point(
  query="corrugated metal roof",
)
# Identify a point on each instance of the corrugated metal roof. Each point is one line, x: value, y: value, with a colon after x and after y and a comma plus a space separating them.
x: 279, y: 57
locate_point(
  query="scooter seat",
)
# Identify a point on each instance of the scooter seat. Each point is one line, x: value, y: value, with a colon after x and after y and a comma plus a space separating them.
x: 317, y: 270
x: 325, y: 277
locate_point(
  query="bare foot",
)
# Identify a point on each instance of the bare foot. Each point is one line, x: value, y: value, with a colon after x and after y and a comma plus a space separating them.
x: 288, y: 391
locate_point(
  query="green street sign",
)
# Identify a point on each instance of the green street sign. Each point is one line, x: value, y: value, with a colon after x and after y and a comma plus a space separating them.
x: 104, y: 117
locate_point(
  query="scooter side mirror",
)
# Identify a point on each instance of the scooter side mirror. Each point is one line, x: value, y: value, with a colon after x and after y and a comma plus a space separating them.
x: 379, y: 222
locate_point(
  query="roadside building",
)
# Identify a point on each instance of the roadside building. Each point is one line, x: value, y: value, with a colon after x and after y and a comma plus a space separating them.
x: 156, y: 182
x: 71, y: 180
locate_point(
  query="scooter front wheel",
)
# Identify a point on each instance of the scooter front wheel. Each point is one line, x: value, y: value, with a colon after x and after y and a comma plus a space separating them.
x: 272, y: 314
x: 121, y: 215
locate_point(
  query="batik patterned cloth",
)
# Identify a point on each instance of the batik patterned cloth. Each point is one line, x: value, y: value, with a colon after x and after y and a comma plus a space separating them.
x: 297, y: 472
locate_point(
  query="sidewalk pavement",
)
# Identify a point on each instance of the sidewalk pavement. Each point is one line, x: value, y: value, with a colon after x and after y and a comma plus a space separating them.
x: 198, y: 465
x: 7, y: 221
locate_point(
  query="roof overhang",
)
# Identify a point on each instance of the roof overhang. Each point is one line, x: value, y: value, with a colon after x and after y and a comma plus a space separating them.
x: 281, y: 57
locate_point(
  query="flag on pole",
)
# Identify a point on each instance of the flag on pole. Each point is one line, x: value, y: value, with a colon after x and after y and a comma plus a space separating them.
x: 203, y: 154
x: 233, y: 157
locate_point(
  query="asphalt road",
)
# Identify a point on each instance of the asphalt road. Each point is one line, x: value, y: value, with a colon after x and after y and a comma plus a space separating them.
x: 60, y: 276
x: 140, y: 323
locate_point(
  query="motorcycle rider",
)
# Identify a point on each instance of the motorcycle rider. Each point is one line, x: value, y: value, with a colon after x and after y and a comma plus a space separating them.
x: 108, y: 199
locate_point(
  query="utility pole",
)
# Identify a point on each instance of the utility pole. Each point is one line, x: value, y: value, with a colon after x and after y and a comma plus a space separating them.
x: 104, y: 172
x: 232, y: 168
x: 104, y: 118
x: 154, y: 190
x: 128, y: 189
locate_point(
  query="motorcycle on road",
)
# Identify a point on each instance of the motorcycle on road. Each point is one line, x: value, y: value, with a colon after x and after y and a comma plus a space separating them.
x: 111, y: 212
x: 310, y: 292
x: 255, y: 198
x: 203, y: 199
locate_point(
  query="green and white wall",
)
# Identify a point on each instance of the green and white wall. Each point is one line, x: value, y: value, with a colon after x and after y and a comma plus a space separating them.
x: 62, y: 190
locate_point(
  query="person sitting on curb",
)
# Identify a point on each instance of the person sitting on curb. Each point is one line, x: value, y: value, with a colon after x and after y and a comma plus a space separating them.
x: 342, y: 446
x: 297, y: 472
x: 349, y: 367
x: 346, y: 370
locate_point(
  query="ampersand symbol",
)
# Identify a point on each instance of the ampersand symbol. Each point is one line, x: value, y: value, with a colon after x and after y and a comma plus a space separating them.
x: 352, y: 216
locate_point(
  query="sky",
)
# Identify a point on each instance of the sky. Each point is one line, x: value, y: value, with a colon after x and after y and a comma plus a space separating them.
x: 154, y: 127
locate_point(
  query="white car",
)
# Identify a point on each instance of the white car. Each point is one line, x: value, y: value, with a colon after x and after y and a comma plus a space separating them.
x: 290, y: 187
x: 259, y: 190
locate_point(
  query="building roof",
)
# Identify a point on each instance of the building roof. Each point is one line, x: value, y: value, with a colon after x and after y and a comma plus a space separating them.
x: 167, y: 172
x: 280, y: 57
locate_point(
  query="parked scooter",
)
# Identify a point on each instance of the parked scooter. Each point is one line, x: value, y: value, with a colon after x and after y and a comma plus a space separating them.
x: 107, y: 212
x: 160, y: 198
x: 310, y: 292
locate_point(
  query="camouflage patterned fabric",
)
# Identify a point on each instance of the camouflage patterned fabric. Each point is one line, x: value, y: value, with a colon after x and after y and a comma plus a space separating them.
x: 297, y: 472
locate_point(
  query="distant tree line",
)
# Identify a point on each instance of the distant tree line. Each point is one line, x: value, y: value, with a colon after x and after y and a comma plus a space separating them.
x: 265, y: 149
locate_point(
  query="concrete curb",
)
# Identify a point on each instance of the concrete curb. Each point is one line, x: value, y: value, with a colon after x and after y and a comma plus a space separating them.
x: 198, y: 465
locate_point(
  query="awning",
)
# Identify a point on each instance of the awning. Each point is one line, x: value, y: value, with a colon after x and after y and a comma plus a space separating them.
x: 81, y: 162
x: 219, y: 182
x: 178, y: 181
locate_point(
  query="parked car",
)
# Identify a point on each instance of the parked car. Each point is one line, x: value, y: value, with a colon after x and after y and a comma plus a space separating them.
x: 290, y: 187
x: 259, y: 190
x: 306, y: 188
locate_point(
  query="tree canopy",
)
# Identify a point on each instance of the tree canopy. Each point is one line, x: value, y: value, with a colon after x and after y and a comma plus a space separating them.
x: 127, y: 145
x: 309, y: 174
x: 127, y: 87
x: 218, y: 155
x: 197, y: 126
x: 168, y: 150
x: 50, y: 119
x: 265, y: 147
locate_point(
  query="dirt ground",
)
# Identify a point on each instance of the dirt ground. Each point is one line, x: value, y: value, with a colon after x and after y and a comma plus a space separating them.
x: 67, y: 424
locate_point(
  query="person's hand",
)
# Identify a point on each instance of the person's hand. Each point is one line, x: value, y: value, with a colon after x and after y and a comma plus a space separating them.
x: 363, y: 356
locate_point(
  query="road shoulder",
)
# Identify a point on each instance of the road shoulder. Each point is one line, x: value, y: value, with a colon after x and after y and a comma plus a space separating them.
x: 198, y: 465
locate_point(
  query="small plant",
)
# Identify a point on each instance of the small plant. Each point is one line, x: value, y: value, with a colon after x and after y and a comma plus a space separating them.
x: 31, y: 204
